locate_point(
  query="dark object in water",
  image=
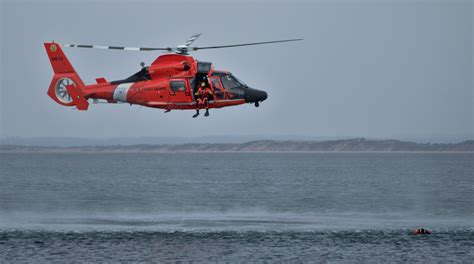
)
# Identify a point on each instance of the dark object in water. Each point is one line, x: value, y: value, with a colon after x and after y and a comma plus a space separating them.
x: 422, y: 231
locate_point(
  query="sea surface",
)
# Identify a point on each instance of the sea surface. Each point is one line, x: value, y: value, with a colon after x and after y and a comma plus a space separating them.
x: 236, y: 207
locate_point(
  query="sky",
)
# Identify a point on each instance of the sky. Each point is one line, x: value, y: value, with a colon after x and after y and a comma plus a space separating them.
x: 374, y: 69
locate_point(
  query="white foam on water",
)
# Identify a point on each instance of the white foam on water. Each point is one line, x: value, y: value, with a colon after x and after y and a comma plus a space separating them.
x: 253, y: 220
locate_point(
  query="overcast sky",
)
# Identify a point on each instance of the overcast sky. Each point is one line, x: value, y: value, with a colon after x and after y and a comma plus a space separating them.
x: 376, y: 69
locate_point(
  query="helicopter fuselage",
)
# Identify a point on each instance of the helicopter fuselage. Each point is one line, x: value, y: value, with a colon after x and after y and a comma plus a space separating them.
x: 169, y: 83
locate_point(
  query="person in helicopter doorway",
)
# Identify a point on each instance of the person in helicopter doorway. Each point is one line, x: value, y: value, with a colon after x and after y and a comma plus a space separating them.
x: 203, y: 95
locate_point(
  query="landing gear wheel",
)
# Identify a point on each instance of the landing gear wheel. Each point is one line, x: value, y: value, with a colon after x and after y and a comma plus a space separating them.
x: 257, y: 104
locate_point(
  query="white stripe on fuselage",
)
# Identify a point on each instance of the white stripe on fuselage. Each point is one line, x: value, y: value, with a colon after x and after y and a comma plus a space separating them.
x: 120, y: 93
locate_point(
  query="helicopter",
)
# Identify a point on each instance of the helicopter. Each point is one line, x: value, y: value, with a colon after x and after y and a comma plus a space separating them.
x: 170, y: 82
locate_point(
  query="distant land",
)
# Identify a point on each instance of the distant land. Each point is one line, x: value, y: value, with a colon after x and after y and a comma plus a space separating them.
x: 154, y: 140
x: 343, y: 145
x: 211, y: 139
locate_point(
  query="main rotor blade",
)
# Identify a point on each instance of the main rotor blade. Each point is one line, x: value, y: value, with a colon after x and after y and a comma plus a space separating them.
x: 191, y: 39
x: 244, y: 44
x: 115, y: 47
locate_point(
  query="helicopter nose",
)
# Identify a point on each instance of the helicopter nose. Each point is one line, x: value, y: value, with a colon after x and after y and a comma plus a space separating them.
x: 255, y: 96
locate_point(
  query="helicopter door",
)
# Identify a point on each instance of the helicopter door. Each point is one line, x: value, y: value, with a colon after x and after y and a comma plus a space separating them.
x: 217, y: 88
x: 179, y: 90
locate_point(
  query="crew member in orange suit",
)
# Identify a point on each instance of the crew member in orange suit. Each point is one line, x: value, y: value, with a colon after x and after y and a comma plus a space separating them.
x: 203, y: 95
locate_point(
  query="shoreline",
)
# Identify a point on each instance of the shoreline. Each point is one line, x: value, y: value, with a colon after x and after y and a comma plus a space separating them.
x: 356, y: 145
x: 236, y: 151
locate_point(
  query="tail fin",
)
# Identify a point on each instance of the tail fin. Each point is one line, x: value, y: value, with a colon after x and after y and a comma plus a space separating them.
x: 64, y: 77
x: 58, y: 60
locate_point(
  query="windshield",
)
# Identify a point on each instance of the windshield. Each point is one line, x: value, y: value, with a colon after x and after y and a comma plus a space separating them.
x: 230, y: 82
x: 240, y: 81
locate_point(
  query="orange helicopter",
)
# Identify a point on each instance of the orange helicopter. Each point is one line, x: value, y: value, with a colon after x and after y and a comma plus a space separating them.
x: 173, y: 81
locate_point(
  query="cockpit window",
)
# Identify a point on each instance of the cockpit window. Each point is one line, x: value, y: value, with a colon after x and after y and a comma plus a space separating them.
x: 230, y: 82
x: 240, y: 81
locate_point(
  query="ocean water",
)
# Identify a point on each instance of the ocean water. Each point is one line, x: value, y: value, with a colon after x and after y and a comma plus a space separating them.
x: 236, y: 207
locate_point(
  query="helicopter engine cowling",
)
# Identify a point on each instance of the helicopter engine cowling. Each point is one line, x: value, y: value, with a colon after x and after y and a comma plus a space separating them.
x: 171, y: 68
x: 168, y: 65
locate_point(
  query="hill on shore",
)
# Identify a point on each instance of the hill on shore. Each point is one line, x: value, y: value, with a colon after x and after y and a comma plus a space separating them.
x: 357, y: 144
